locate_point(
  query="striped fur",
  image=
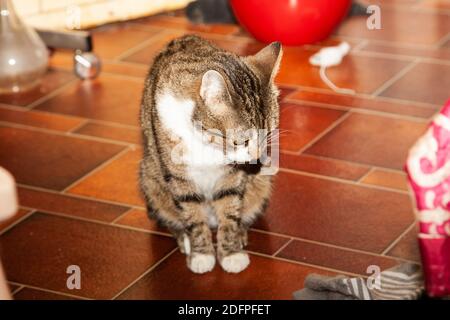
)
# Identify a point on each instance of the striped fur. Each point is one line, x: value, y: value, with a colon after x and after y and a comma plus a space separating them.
x: 187, y: 196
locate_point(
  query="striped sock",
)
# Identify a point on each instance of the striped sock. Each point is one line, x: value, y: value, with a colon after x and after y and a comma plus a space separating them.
x: 403, y: 282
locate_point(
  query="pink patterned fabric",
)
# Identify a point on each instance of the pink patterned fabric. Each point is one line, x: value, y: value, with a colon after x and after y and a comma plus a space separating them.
x: 428, y: 168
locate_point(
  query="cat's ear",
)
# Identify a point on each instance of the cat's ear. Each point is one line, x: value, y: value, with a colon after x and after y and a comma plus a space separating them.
x: 214, y: 92
x: 267, y: 60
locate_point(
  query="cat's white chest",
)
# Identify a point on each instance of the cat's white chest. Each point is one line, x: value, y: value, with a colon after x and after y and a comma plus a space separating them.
x: 205, y: 178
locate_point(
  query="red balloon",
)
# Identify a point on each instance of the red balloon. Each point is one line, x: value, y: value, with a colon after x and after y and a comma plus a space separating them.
x: 292, y: 22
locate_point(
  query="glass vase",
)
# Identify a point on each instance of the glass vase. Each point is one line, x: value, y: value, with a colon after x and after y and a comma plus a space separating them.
x: 23, y: 55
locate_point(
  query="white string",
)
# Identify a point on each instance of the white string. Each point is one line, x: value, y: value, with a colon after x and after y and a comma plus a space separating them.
x: 329, y: 83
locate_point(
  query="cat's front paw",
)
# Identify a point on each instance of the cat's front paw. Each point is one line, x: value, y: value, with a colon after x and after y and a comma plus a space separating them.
x: 235, y: 262
x: 201, y: 263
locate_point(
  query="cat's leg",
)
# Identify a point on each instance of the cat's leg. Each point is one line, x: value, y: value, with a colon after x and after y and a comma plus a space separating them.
x: 167, y: 215
x: 231, y: 236
x: 197, y: 237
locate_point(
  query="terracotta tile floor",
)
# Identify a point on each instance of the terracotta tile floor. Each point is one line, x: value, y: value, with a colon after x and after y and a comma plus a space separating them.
x: 340, y: 202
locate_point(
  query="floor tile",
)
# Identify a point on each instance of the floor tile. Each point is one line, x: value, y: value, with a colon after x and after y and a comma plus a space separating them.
x: 4, y: 224
x: 426, y: 82
x: 48, y: 160
x: 284, y: 92
x: 356, y: 71
x: 127, y: 69
x: 110, y: 41
x: 50, y: 244
x: 242, y: 48
x: 66, y: 204
x: 407, y: 247
x: 109, y: 98
x: 371, y: 140
x: 424, y: 52
x: 323, y: 166
x: 148, y: 53
x: 264, y: 279
x: 401, y: 26
x: 52, y: 80
x: 336, y: 213
x: 138, y: 218
x: 39, y: 119
x: 335, y: 258
x: 389, y: 179
x: 182, y: 23
x: 238, y: 46
x: 354, y: 102
x: 114, y: 132
x: 265, y: 243
x: 300, y: 123
x: 35, y: 294
x: 103, y: 184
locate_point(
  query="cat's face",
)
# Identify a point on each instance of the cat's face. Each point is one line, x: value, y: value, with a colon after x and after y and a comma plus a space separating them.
x: 238, y: 109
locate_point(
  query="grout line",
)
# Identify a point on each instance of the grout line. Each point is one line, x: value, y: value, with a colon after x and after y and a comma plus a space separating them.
x: 292, y: 153
x: 353, y: 163
x: 79, y: 126
x: 64, y: 134
x: 145, y: 273
x: 403, y: 57
x: 140, y: 46
x: 291, y: 101
x: 130, y: 145
x: 347, y: 162
x: 359, y: 46
x: 139, y: 79
x: 120, y: 216
x: 329, y: 245
x: 51, y: 94
x: 364, y: 96
x: 41, y: 112
x: 295, y: 90
x: 365, y: 175
x: 16, y: 222
x: 49, y: 291
x: 12, y: 107
x: 114, y: 124
x: 96, y: 169
x: 390, y: 43
x: 74, y: 195
x: 324, y: 132
x: 107, y: 224
x: 360, y: 110
x: 50, y: 113
x: 396, y: 77
x: 304, y: 264
x: 398, y: 239
x: 350, y: 182
x: 384, y: 55
x: 125, y: 63
x: 17, y: 289
x: 440, y: 43
x: 282, y: 247
x: 435, y: 61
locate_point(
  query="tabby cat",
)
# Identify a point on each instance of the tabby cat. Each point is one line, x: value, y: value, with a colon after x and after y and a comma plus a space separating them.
x: 193, y: 184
